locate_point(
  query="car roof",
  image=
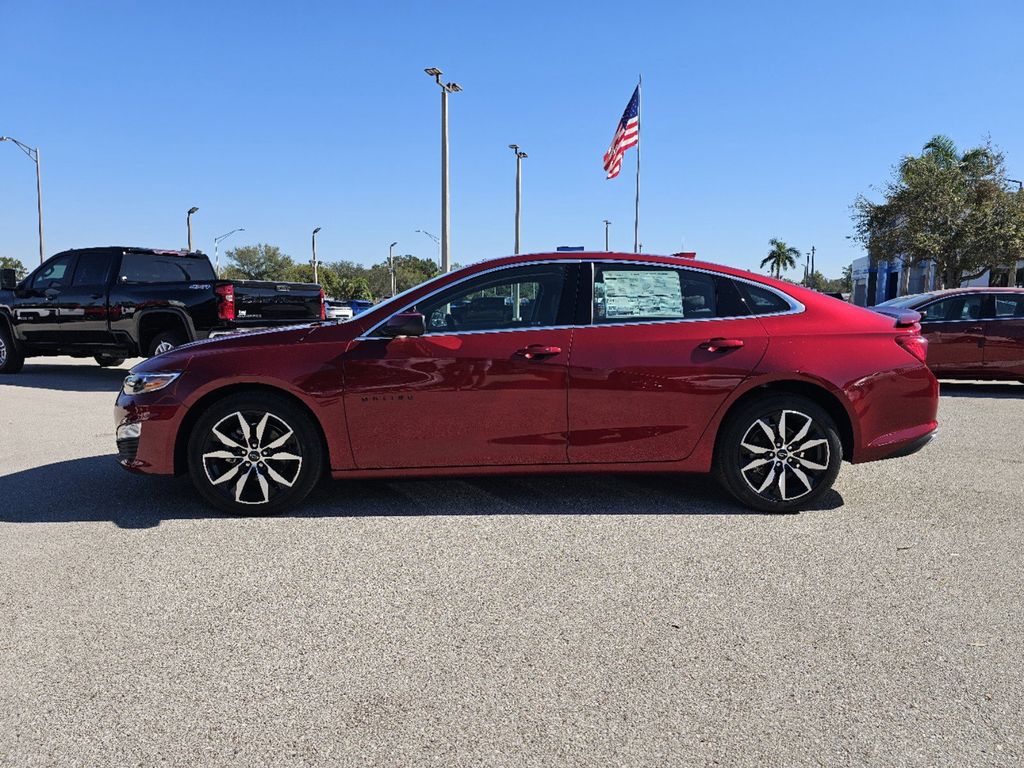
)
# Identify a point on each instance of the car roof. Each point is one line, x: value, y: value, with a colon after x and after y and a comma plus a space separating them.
x: 135, y: 249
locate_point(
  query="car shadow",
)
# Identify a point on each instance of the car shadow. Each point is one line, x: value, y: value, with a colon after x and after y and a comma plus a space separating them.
x: 96, y: 489
x: 981, y: 389
x: 67, y: 378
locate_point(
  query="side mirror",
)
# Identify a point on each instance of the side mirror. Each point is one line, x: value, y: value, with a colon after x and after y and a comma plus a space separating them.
x: 405, y: 324
x: 8, y: 279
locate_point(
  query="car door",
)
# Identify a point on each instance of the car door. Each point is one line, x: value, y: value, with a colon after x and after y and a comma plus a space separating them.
x: 664, y: 348
x: 37, y: 306
x: 83, y: 303
x: 485, y: 385
x: 955, y: 333
x: 1004, y: 336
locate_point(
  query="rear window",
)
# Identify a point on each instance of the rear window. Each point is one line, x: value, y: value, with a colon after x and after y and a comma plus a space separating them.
x: 1008, y: 305
x: 761, y: 301
x: 152, y: 268
x: 905, y: 302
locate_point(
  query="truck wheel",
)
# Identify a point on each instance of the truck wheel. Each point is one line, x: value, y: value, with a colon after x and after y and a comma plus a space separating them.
x: 254, y: 454
x: 778, y: 453
x: 106, y: 361
x: 11, y: 359
x: 165, y: 342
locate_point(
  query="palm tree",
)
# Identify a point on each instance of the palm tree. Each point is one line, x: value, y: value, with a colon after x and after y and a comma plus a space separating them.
x: 780, y: 258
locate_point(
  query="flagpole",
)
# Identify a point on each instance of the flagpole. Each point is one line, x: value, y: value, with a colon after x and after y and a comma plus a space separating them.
x: 639, y: 122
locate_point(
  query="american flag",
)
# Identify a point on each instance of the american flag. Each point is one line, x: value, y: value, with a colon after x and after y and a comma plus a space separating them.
x: 626, y: 135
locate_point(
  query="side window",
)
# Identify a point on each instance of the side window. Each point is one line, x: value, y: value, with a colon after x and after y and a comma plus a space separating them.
x: 1009, y: 305
x: 762, y: 301
x: 952, y: 309
x: 626, y: 293
x: 92, y: 269
x: 507, y: 299
x: 55, y: 273
x: 147, y: 268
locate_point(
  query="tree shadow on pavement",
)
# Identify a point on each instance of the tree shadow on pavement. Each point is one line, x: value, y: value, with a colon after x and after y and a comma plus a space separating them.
x: 67, y: 378
x: 96, y: 489
x: 986, y: 389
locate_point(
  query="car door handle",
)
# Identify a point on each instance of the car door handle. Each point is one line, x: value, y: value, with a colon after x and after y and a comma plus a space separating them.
x: 535, y: 351
x: 973, y: 329
x: 721, y: 345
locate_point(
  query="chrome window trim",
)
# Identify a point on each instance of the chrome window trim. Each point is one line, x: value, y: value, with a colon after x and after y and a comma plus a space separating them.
x: 796, y: 307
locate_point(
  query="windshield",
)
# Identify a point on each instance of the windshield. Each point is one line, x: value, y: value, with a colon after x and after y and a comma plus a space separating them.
x: 905, y: 302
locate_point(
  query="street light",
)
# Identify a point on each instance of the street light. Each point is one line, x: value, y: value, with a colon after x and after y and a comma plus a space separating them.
x: 606, y: 225
x: 446, y: 88
x: 216, y: 247
x: 391, y: 266
x: 188, y: 223
x: 33, y: 155
x: 1018, y: 182
x: 316, y: 273
x: 519, y: 187
x: 436, y: 242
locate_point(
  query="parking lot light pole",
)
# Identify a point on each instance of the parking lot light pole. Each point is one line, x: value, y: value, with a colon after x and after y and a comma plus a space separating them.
x: 188, y: 223
x: 446, y: 88
x: 316, y: 272
x: 519, y: 189
x: 437, y: 242
x: 33, y: 155
x: 216, y: 248
x: 606, y: 225
x: 391, y: 266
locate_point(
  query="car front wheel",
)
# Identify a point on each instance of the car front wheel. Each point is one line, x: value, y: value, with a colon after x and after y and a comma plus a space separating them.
x: 779, y: 453
x: 254, y: 454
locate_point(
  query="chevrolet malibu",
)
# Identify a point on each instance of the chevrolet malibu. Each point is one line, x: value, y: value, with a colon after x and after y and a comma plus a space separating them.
x: 545, y: 363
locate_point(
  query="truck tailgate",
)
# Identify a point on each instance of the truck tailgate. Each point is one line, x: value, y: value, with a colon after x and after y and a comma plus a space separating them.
x: 275, y: 302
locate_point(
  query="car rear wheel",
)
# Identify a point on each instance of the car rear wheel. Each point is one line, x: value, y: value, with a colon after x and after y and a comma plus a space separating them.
x: 254, y: 454
x: 107, y: 361
x: 164, y: 342
x: 778, y: 454
x: 11, y: 359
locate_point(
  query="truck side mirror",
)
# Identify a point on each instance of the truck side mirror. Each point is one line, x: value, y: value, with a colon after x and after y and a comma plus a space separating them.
x: 8, y: 279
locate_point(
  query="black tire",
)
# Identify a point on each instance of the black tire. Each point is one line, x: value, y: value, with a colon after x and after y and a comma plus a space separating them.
x: 249, y: 480
x: 762, y: 473
x: 106, y: 361
x: 11, y: 358
x: 165, y: 341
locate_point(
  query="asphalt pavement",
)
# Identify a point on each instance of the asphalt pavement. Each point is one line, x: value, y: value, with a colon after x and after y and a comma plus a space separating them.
x: 565, y: 620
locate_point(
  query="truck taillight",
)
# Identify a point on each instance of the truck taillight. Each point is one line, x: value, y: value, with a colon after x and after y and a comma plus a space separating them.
x: 225, y: 301
x: 323, y: 305
x: 915, y: 344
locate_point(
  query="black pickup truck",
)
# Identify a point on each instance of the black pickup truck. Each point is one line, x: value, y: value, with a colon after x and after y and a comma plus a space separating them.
x: 114, y: 303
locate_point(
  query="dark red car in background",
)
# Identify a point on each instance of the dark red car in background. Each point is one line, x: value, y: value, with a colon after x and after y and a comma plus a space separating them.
x: 973, y: 333
x: 544, y: 363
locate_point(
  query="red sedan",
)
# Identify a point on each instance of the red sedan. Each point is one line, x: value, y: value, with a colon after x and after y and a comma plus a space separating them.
x: 973, y: 333
x: 544, y: 363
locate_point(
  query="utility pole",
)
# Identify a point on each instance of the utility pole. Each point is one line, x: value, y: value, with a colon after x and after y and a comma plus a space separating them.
x: 812, y: 263
x: 188, y: 223
x: 316, y: 273
x: 606, y: 225
x: 33, y: 155
x: 391, y: 267
x: 446, y: 88
x: 519, y: 188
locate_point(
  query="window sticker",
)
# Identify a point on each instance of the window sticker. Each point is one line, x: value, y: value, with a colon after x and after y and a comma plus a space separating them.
x: 642, y: 293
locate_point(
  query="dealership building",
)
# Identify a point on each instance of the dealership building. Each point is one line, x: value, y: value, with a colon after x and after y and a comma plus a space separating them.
x: 875, y: 283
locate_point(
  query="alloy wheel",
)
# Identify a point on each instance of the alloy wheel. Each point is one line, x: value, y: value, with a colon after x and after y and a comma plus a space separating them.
x: 784, y: 455
x: 163, y: 346
x: 251, y: 457
x: 3, y: 352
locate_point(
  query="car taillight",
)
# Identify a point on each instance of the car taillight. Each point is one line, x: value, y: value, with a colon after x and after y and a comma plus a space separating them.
x: 323, y: 305
x: 226, y: 301
x: 915, y: 344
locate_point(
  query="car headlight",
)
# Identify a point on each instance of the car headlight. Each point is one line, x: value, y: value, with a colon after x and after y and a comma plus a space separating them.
x: 141, y: 383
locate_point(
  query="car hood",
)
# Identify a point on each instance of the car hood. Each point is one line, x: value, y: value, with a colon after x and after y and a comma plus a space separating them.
x: 179, y: 358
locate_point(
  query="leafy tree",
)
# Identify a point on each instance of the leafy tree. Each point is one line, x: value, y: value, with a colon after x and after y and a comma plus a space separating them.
x: 356, y: 287
x: 409, y: 271
x: 780, y: 258
x: 9, y: 262
x: 952, y: 208
x: 258, y: 262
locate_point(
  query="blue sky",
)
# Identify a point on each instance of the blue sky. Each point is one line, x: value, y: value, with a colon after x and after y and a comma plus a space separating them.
x: 760, y: 120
